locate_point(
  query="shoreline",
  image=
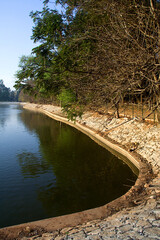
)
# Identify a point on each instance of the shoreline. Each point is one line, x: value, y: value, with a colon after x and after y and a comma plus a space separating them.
x: 135, y: 196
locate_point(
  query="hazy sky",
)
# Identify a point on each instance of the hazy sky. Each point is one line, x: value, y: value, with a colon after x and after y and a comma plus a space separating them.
x: 15, y: 32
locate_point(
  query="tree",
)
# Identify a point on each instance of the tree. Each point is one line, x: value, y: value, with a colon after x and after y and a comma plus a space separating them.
x: 101, y: 51
x: 6, y: 94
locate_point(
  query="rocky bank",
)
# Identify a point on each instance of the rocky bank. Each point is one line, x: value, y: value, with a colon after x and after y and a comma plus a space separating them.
x: 139, y: 221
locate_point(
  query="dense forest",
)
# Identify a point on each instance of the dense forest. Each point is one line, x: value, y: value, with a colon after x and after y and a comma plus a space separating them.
x: 93, y: 53
x: 6, y: 94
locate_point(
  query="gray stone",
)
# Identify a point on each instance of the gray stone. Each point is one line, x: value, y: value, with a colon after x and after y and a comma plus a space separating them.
x: 152, y: 232
x: 134, y: 235
x: 66, y: 230
x: 90, y: 229
x: 77, y: 236
x: 156, y: 223
x: 93, y: 238
x: 59, y: 238
x: 125, y: 228
x: 74, y: 230
x: 143, y: 223
x: 108, y: 233
x: 94, y: 232
x: 108, y: 237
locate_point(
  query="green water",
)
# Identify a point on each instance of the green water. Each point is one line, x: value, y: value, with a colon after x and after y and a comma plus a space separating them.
x: 49, y: 169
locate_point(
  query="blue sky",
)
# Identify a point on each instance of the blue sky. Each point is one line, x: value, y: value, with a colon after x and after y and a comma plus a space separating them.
x: 15, y: 32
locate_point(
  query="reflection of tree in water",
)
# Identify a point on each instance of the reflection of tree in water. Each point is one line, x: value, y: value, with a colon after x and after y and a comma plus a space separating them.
x: 4, y: 116
x: 2, y: 122
x: 86, y: 174
x: 31, y: 164
x: 84, y: 178
x: 7, y: 111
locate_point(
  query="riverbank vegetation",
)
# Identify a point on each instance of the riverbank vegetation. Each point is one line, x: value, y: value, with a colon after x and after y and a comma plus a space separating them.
x: 93, y: 53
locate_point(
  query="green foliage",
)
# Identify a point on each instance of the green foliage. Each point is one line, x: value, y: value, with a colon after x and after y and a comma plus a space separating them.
x: 67, y: 97
x: 48, y: 29
x: 73, y: 112
x: 67, y: 100
x: 102, y: 50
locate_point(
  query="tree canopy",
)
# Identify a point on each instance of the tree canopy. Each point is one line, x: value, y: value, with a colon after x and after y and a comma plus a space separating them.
x: 102, y: 51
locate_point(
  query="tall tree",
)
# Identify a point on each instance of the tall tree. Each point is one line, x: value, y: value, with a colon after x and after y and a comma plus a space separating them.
x: 102, y: 51
x: 6, y: 94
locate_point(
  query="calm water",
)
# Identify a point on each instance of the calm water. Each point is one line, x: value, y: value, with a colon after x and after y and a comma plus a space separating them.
x: 49, y: 169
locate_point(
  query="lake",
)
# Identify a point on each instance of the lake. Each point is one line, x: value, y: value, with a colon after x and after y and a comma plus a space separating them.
x: 49, y: 169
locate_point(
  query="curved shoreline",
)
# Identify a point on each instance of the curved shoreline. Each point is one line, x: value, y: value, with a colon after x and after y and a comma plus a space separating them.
x: 135, y: 194
x: 92, y: 134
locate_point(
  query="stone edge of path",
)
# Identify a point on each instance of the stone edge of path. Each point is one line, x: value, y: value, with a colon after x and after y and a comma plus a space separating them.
x: 134, y: 196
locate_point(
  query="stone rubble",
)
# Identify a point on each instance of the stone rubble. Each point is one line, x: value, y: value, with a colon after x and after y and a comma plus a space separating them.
x: 140, y: 222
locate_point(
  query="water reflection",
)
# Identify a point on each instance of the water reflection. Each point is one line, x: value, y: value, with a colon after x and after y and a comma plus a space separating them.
x: 84, y: 175
x: 32, y: 164
x: 3, y: 114
x: 5, y: 110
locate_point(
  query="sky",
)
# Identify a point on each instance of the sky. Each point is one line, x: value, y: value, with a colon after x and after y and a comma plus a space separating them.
x: 15, y: 33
